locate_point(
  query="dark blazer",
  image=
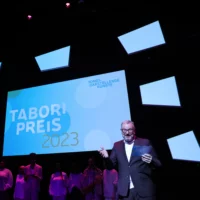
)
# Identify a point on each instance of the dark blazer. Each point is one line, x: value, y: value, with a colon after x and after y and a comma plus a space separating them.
x: 140, y: 171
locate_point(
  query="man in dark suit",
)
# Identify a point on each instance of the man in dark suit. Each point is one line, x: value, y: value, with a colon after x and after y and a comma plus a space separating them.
x: 136, y: 159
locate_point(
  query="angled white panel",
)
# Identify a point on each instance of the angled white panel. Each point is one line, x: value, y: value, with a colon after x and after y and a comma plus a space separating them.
x: 143, y: 38
x: 55, y: 59
x: 184, y: 147
x: 162, y: 92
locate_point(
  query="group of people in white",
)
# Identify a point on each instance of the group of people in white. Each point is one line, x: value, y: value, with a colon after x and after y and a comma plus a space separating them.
x: 135, y: 157
x: 92, y: 184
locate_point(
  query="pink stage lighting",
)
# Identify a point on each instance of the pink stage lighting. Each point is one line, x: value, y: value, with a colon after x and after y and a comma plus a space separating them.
x: 67, y: 5
x: 29, y: 17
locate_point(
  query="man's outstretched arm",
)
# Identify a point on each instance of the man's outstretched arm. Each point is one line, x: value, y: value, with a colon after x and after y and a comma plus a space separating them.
x: 111, y: 160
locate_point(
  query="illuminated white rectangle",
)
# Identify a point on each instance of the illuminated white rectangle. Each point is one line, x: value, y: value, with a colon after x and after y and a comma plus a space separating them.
x: 57, y: 111
x: 143, y: 38
x: 163, y: 92
x: 184, y: 147
x: 55, y: 59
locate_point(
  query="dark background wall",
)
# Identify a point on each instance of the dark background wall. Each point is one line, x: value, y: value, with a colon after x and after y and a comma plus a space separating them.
x: 91, y: 30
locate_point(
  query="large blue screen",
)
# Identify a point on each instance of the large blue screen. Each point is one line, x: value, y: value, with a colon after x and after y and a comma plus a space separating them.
x: 72, y: 116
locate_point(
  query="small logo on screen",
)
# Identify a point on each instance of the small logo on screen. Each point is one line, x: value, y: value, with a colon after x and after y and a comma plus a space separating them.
x: 98, y: 83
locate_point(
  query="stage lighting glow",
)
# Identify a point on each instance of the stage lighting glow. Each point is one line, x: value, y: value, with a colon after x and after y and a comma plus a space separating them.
x: 29, y: 17
x: 67, y: 5
x: 143, y: 38
x: 0, y: 64
x: 185, y: 147
x: 163, y: 93
x: 55, y: 59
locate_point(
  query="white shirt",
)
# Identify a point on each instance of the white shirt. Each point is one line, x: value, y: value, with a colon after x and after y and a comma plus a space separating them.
x: 58, y: 184
x: 110, y: 179
x: 75, y: 180
x: 32, y: 183
x: 6, y: 179
x: 128, y: 149
x: 19, y: 187
x: 32, y: 171
x: 89, y: 177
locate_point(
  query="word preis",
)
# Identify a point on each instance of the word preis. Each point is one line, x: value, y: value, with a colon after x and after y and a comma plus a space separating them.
x: 49, y: 141
x: 34, y: 119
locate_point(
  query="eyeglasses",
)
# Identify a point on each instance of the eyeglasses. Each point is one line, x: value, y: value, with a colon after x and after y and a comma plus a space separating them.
x: 127, y: 130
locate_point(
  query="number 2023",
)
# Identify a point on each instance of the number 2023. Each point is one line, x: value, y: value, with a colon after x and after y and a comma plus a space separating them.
x: 62, y: 143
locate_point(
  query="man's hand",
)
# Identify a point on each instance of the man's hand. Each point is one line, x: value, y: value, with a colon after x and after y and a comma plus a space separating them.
x: 35, y: 176
x: 98, y: 179
x: 103, y: 152
x: 147, y: 158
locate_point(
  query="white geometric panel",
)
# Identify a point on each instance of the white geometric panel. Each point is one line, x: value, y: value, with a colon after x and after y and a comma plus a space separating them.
x: 184, y: 147
x: 162, y: 92
x: 143, y: 38
x: 53, y: 60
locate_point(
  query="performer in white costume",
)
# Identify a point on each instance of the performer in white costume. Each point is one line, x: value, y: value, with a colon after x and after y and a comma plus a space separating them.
x: 58, y: 184
x: 6, y: 181
x: 110, y: 180
x: 19, y: 192
x: 33, y: 176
